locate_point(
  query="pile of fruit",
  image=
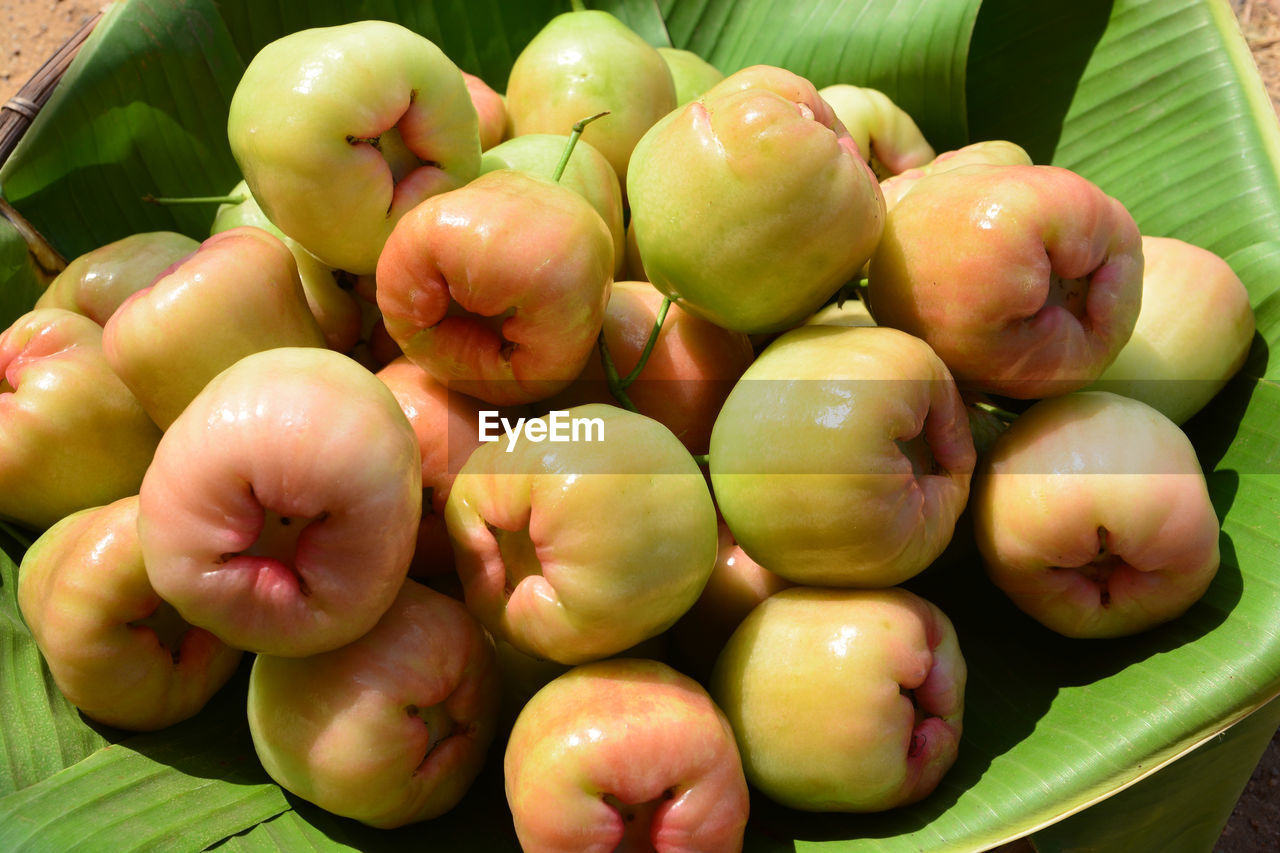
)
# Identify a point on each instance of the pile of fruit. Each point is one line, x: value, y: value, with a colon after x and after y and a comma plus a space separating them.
x: 508, y: 426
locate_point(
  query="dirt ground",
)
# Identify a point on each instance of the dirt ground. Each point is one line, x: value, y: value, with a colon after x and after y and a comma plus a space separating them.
x: 33, y: 29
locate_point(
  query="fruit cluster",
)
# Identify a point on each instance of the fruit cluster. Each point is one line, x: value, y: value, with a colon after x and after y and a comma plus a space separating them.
x: 436, y: 455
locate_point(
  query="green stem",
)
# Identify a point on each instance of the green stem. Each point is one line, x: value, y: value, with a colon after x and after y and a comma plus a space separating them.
x: 572, y: 143
x: 17, y: 534
x: 702, y: 459
x: 577, y: 5
x: 238, y: 198
x: 616, y: 387
x: 649, y: 344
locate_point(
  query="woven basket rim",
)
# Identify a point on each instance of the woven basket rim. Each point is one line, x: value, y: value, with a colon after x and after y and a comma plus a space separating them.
x: 17, y: 114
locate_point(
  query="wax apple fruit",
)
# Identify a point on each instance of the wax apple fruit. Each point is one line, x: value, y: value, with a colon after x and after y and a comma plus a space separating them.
x: 843, y: 456
x: 844, y: 700
x: 491, y: 111
x: 339, y: 131
x: 1193, y: 332
x: 692, y: 74
x: 887, y: 136
x: 447, y: 428
x: 989, y: 152
x: 1026, y: 280
x: 625, y: 755
x: 115, y: 649
x: 1092, y: 515
x: 750, y: 204
x: 689, y: 372
x: 498, y: 289
x: 238, y: 294
x: 95, y: 283
x: 737, y: 584
x: 587, y: 173
x: 282, y: 507
x: 335, y: 308
x: 390, y: 729
x: 576, y: 550
x: 72, y: 435
x: 583, y: 63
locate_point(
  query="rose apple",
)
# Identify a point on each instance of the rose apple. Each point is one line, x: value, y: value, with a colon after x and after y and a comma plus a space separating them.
x: 844, y: 700
x: 72, y: 435
x: 576, y: 549
x: 991, y: 152
x: 583, y: 63
x: 625, y: 754
x: 498, y: 289
x: 689, y: 373
x: 850, y: 312
x: 491, y: 111
x: 1092, y: 515
x: 334, y: 306
x: 887, y: 137
x: 843, y: 456
x: 1193, y: 332
x: 95, y: 283
x: 587, y: 173
x: 282, y: 506
x: 737, y: 584
x: 796, y: 210
x: 447, y: 427
x: 115, y: 649
x: 1026, y: 280
x: 691, y: 74
x: 239, y: 293
x: 339, y: 131
x: 390, y: 729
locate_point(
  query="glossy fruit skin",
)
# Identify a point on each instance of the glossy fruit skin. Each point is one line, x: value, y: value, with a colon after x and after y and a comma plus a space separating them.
x: 887, y: 136
x: 737, y: 584
x: 491, y: 111
x: 691, y: 74
x: 339, y: 131
x: 578, y: 550
x: 797, y: 211
x: 498, y: 289
x: 390, y: 729
x: 584, y: 63
x: 72, y: 435
x: 95, y: 283
x: 447, y: 428
x: 336, y: 310
x: 587, y: 173
x: 813, y: 464
x: 1193, y: 333
x: 83, y: 592
x: 625, y: 736
x: 239, y: 293
x: 1092, y: 514
x: 282, y: 507
x: 989, y: 152
x: 1026, y: 280
x: 690, y: 371
x: 844, y: 700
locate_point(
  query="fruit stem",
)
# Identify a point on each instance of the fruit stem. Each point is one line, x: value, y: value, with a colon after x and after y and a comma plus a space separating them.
x: 572, y: 143
x: 649, y: 344
x: 238, y: 198
x: 616, y: 388
x: 577, y: 5
x: 16, y: 534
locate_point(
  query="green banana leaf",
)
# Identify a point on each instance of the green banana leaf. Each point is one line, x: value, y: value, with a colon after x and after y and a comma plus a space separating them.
x: 1155, y: 100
